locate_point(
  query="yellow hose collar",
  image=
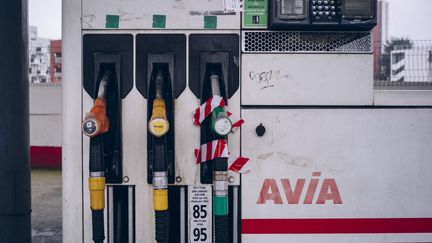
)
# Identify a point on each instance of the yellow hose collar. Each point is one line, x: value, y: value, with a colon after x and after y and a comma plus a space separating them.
x: 160, y: 200
x: 97, y: 193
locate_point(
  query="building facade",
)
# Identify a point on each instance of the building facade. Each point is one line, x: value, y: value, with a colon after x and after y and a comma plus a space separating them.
x: 44, y: 58
x: 39, y: 57
x: 55, y: 61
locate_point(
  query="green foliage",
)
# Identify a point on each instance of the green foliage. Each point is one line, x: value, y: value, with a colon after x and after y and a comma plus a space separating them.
x: 398, y: 43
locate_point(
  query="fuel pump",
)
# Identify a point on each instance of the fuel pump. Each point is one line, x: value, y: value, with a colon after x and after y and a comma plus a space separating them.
x: 161, y: 78
x: 220, y: 125
x: 214, y: 79
x: 214, y: 129
x: 95, y: 125
x: 158, y: 126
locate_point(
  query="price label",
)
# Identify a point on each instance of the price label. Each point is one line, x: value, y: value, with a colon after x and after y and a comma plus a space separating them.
x: 200, y: 213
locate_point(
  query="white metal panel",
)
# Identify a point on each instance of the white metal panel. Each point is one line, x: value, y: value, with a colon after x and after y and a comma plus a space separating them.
x: 307, y: 79
x: 72, y: 180
x: 403, y: 97
x: 134, y: 140
x: 379, y: 159
x: 138, y: 14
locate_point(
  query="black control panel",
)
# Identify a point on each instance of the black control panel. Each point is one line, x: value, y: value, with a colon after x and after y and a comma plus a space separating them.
x: 327, y: 11
x: 322, y: 15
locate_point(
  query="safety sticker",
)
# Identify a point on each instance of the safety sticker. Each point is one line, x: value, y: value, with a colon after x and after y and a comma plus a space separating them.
x: 255, y: 13
x: 233, y: 6
x: 219, y: 149
x: 212, y: 150
x: 206, y: 109
x: 239, y: 165
x: 200, y: 213
x: 202, y: 112
x: 159, y: 21
x: 112, y: 21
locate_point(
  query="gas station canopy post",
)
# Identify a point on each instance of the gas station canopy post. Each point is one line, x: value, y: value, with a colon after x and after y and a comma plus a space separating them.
x: 14, y: 124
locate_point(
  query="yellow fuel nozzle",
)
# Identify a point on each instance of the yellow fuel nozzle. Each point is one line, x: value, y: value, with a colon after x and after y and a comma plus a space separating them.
x: 158, y: 124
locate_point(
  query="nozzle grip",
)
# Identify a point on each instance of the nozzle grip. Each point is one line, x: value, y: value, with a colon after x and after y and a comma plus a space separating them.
x: 158, y: 124
x: 96, y: 121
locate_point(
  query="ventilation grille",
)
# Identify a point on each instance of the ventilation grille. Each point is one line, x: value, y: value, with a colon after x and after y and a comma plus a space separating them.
x: 288, y: 42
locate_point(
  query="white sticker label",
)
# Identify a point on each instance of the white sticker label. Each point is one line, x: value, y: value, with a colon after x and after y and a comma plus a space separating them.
x: 200, y: 213
x: 232, y: 6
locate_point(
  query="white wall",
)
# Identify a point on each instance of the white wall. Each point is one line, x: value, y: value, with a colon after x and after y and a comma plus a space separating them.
x: 45, y: 115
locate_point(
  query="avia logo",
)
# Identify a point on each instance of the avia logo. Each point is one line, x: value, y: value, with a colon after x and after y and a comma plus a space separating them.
x: 329, y: 191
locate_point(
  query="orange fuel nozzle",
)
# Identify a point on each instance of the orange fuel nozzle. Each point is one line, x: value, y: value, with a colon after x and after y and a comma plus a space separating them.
x: 96, y: 121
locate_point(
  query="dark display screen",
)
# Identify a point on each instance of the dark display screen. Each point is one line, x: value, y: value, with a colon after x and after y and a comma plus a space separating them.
x: 293, y: 7
x: 357, y: 8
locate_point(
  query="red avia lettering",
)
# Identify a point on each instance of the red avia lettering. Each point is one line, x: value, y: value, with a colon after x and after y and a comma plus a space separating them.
x: 328, y: 192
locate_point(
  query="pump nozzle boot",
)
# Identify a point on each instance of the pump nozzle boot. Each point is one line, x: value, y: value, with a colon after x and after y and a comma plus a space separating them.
x: 158, y: 124
x: 96, y: 121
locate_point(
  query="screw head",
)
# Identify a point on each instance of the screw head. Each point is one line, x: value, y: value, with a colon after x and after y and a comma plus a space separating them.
x: 178, y: 179
x: 125, y: 179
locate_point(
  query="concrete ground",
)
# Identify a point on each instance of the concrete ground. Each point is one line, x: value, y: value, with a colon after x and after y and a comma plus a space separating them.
x: 46, y: 206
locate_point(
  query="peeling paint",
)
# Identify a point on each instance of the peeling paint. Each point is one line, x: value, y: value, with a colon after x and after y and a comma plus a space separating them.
x: 87, y: 20
x: 125, y: 15
x: 179, y: 4
x: 206, y: 13
x: 298, y: 161
x: 264, y: 156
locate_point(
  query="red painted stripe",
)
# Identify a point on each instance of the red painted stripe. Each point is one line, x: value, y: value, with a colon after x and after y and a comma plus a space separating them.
x: 197, y: 116
x: 220, y: 147
x: 222, y: 103
x: 238, y: 123
x: 208, y: 107
x: 337, y: 226
x: 45, y: 157
x: 198, y: 155
x: 238, y: 164
x: 209, y: 151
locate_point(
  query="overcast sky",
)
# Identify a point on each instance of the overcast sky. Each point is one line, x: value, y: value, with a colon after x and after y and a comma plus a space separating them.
x: 408, y: 18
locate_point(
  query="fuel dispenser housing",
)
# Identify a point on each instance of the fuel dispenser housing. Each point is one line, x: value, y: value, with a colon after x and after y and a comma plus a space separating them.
x: 109, y: 53
x: 316, y: 131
